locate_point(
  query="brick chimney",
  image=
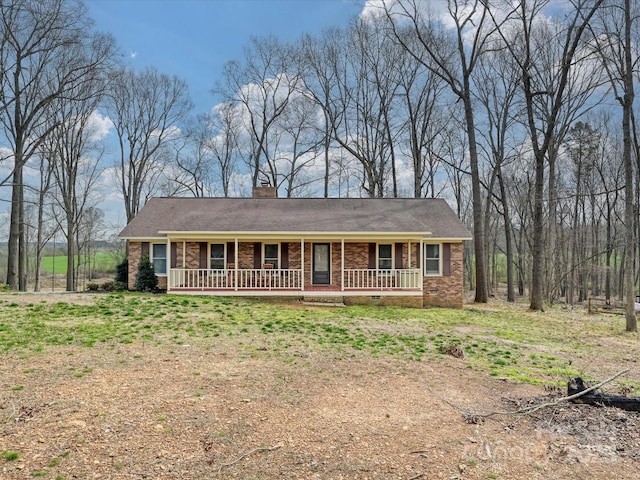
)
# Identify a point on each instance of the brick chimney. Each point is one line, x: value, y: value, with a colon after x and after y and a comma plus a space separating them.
x: 265, y: 191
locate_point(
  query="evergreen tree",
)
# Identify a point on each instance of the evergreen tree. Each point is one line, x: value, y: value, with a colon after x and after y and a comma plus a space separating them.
x: 122, y: 271
x: 146, y: 279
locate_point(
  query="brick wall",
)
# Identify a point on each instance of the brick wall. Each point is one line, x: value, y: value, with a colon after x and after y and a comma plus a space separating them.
x: 442, y: 291
x: 356, y: 255
x: 135, y: 254
x: 265, y: 191
x: 446, y: 291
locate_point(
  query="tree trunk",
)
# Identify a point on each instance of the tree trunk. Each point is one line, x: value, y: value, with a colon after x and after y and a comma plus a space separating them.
x: 538, y: 248
x: 629, y: 283
x: 14, y: 230
x: 482, y: 289
x: 71, y: 251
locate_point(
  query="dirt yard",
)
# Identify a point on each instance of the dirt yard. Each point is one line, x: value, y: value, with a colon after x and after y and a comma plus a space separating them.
x: 142, y: 411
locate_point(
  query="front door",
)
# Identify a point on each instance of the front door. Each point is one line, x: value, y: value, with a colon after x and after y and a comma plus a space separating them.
x: 321, y: 264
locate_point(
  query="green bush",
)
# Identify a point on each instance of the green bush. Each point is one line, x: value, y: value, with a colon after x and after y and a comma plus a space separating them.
x: 146, y: 279
x: 109, y: 286
x: 114, y: 286
x: 122, y: 271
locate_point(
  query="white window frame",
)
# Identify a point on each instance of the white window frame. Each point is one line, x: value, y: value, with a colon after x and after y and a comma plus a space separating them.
x: 264, y: 252
x: 153, y: 258
x: 224, y: 255
x: 391, y: 267
x: 428, y: 273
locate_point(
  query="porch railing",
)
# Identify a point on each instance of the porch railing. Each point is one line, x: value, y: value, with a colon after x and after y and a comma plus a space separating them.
x: 382, y: 279
x: 206, y: 279
x: 288, y: 279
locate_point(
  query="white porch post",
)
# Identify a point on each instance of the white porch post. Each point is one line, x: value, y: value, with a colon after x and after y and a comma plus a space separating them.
x: 169, y: 278
x: 184, y: 254
x: 421, y: 265
x: 235, y: 265
x: 342, y: 265
x: 302, y: 262
x: 409, y: 254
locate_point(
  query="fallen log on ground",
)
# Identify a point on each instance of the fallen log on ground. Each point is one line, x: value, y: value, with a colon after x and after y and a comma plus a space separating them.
x: 577, y: 385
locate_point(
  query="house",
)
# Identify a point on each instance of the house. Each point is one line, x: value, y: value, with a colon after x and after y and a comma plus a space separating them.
x: 383, y: 251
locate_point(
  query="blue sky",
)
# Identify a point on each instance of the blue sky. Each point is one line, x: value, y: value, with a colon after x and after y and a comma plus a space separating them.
x: 195, y: 38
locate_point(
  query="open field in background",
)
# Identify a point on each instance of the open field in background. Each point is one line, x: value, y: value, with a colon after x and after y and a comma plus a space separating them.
x: 103, y: 265
x: 101, y: 262
x: 182, y: 387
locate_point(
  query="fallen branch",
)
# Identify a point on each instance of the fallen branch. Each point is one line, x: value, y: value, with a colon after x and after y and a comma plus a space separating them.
x: 251, y: 452
x: 600, y: 399
x: 473, y: 417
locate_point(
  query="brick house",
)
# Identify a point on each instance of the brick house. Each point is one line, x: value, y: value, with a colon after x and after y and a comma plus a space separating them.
x: 380, y: 251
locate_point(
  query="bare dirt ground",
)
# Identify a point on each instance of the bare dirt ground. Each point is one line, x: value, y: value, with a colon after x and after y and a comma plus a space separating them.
x: 143, y: 411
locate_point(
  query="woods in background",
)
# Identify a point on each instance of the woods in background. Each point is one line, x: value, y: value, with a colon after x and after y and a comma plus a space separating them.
x: 520, y: 114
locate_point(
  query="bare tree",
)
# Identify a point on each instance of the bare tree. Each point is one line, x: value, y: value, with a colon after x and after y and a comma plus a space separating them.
x: 262, y: 85
x: 224, y: 144
x: 48, y: 48
x: 146, y: 109
x: 496, y: 90
x: 426, y: 130
x: 192, y: 158
x: 74, y: 153
x: 44, y: 230
x: 453, y: 55
x: 530, y: 48
x: 617, y: 46
x: 321, y: 63
x: 367, y: 97
x: 300, y: 142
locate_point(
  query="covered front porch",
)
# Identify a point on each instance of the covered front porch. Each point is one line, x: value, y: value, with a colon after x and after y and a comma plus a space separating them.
x: 292, y: 280
x: 281, y: 265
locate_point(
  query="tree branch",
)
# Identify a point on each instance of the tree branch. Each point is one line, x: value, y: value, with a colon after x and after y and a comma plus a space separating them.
x: 474, y: 417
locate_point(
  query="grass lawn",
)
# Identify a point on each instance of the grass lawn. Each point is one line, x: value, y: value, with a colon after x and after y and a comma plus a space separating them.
x: 509, y: 342
x: 127, y: 385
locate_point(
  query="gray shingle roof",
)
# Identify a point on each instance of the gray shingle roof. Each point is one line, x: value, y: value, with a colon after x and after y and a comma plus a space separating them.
x: 281, y: 215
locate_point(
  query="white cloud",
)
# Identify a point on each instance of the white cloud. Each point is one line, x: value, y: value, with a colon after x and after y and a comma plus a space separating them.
x: 99, y: 126
x: 374, y: 9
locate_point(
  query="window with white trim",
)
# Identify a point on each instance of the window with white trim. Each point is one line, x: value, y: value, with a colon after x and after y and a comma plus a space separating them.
x: 159, y: 258
x: 216, y: 256
x: 272, y: 254
x: 432, y: 259
x: 385, y: 256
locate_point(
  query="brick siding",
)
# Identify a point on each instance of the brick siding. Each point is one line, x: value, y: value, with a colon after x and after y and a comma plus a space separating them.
x: 446, y: 291
x: 440, y: 291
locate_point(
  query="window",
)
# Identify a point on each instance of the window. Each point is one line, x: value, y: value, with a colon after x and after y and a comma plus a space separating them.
x: 216, y: 257
x: 159, y: 258
x: 385, y: 257
x: 272, y: 254
x: 432, y: 259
